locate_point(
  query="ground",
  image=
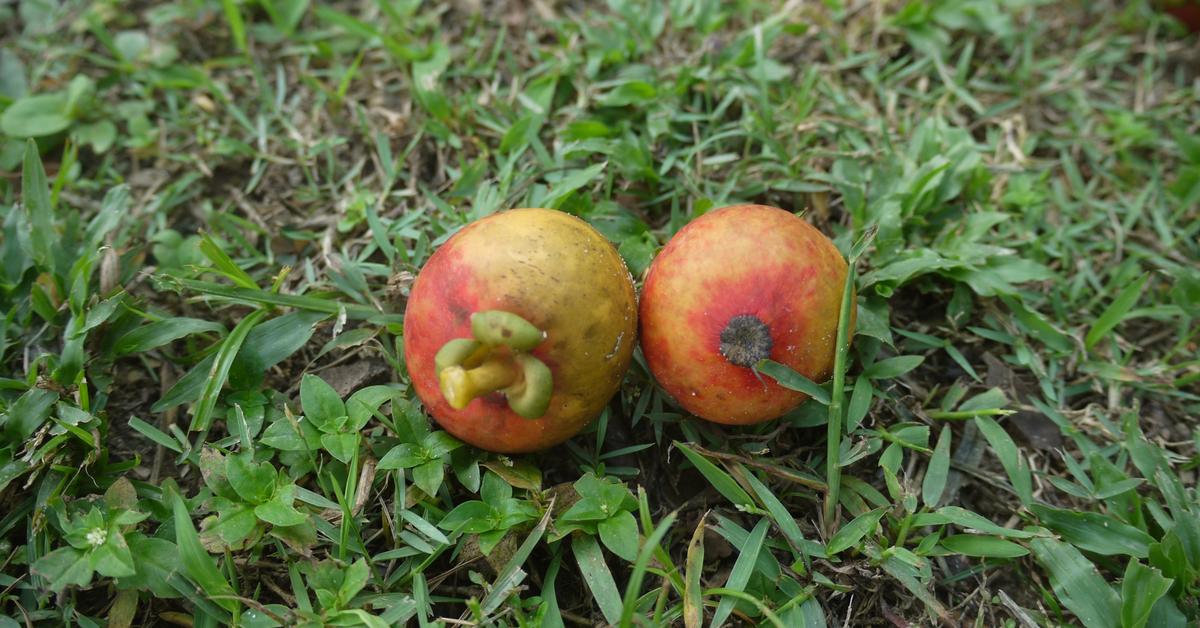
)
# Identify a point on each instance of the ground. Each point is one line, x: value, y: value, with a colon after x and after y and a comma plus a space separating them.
x: 214, y: 212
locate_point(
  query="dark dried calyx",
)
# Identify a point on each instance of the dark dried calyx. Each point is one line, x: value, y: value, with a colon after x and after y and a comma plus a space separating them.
x: 746, y: 340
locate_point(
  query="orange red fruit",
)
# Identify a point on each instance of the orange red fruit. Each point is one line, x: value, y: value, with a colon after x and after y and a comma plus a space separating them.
x: 735, y: 286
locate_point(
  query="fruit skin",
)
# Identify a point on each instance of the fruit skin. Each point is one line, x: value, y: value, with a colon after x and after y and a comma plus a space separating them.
x: 555, y: 271
x: 1186, y: 11
x: 741, y: 260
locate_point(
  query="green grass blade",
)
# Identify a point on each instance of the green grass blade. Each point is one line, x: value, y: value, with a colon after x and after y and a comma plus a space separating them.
x: 746, y: 597
x: 597, y: 576
x: 237, y: 26
x: 633, y: 589
x: 743, y: 568
x: 1010, y: 457
x: 154, y: 434
x: 35, y: 192
x: 790, y: 379
x: 225, y: 265
x: 779, y: 513
x: 202, y: 414
x: 723, y: 482
x: 1116, y: 311
x: 833, y: 445
x: 693, y: 598
x: 197, y: 562
x: 939, y: 467
x: 511, y: 575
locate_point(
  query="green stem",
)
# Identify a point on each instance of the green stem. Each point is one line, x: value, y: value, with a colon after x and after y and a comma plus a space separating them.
x: 833, y: 467
x: 902, y: 535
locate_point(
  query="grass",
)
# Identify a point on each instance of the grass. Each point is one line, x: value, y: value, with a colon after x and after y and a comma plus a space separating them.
x: 213, y: 212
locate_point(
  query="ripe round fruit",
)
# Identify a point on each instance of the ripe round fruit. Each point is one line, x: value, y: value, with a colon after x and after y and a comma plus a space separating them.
x: 735, y: 286
x: 519, y: 329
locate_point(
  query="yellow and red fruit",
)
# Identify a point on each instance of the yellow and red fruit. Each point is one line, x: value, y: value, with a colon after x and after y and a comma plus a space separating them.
x: 735, y: 286
x: 519, y: 329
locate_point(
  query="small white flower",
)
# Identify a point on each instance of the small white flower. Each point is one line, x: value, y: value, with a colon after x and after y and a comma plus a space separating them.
x: 97, y: 536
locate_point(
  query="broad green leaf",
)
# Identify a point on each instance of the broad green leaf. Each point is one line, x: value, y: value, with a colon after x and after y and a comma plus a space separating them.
x: 253, y: 481
x: 269, y: 344
x: 1140, y: 591
x: 64, y: 567
x: 990, y: 399
x: 860, y: 403
x: 983, y: 546
x: 341, y: 446
x: 280, y: 512
x: 472, y: 517
x: 402, y: 456
x: 157, y: 562
x: 100, y: 135
x: 232, y: 526
x: 162, y: 332
x: 1095, y: 532
x: 353, y: 580
x: 113, y: 558
x: 519, y: 474
x: 36, y: 116
x: 364, y: 402
x: 619, y: 533
x: 1077, y: 584
x: 13, y: 84
x: 28, y: 413
x: 319, y: 400
x: 285, y: 435
x: 428, y: 477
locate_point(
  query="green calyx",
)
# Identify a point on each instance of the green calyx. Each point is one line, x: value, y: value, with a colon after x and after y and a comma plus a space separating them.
x: 496, y: 359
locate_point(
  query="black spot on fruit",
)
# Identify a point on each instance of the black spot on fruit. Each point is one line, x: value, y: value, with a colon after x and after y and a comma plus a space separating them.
x: 746, y: 340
